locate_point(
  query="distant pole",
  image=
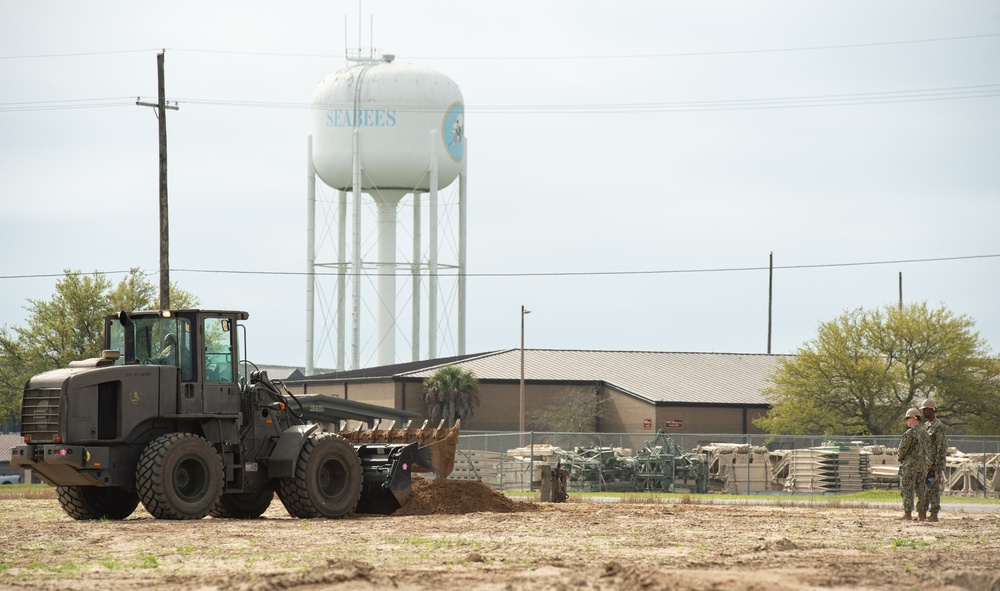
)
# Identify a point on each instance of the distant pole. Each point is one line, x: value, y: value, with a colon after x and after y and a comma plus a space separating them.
x: 770, y: 299
x: 161, y: 114
x: 523, y: 314
x: 900, y: 290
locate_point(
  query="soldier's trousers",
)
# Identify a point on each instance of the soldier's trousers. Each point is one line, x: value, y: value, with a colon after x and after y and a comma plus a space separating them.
x: 911, y: 483
x: 931, y: 500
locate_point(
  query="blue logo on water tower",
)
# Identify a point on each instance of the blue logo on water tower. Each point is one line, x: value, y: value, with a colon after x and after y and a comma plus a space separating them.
x: 453, y: 131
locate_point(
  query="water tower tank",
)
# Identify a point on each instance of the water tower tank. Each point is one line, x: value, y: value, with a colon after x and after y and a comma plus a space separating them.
x: 395, y: 107
x: 398, y: 129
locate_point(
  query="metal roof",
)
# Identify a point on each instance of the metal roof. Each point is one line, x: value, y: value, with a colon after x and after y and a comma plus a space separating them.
x: 281, y: 372
x: 686, y: 378
x: 388, y: 371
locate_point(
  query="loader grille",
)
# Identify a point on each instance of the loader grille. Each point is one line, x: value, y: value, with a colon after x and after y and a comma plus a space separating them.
x: 40, y: 414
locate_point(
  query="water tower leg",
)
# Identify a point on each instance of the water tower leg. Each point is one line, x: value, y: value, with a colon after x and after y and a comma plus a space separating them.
x: 341, y: 277
x: 432, y: 269
x: 463, y: 210
x: 386, y: 281
x: 356, y: 258
x: 415, y: 279
x: 310, y: 255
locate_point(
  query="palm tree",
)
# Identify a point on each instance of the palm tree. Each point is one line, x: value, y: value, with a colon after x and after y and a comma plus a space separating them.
x: 451, y: 393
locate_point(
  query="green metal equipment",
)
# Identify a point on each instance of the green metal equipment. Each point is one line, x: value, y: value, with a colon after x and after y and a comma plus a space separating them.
x: 662, y: 465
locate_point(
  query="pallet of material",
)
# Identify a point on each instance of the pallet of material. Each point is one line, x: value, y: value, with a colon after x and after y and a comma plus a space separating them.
x: 972, y: 474
x: 477, y: 465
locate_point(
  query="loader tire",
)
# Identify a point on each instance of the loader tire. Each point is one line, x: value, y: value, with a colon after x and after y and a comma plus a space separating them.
x: 180, y: 476
x: 97, y: 502
x: 327, y: 480
x: 250, y: 505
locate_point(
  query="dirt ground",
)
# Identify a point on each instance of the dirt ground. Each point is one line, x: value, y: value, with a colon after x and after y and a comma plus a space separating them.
x: 465, y: 536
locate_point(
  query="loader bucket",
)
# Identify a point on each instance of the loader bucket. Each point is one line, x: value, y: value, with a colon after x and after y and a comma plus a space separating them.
x: 435, y: 450
x: 386, y: 472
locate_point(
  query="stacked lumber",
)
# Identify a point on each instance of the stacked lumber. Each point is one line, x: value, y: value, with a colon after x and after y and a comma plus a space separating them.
x: 483, y: 466
x: 883, y: 466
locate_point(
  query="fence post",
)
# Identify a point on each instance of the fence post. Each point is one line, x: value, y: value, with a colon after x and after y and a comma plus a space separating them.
x: 531, y: 462
x: 503, y: 459
x: 749, y: 460
x: 600, y: 464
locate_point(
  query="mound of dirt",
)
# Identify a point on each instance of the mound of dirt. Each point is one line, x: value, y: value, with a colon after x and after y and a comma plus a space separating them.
x: 457, y: 497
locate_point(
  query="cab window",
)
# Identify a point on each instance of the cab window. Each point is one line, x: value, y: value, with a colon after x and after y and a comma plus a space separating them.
x: 218, y: 350
x: 157, y: 341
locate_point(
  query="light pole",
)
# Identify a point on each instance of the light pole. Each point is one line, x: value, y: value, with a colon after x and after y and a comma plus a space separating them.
x: 523, y: 314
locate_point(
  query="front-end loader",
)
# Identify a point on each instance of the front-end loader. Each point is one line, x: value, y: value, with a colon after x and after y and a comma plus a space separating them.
x: 165, y: 417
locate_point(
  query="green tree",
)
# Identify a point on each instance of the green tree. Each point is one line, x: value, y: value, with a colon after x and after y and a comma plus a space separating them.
x: 70, y: 326
x: 451, y: 393
x: 865, y: 368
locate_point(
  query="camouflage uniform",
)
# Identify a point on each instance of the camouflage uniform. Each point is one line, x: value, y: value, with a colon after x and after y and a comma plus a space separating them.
x: 937, y: 452
x: 913, y: 467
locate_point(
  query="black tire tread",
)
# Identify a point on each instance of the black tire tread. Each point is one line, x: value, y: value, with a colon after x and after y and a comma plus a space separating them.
x: 92, y: 502
x: 294, y: 492
x: 243, y: 506
x: 151, y: 479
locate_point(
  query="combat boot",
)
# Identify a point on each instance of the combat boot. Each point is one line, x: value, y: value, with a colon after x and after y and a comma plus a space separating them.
x: 907, y: 516
x: 921, y: 516
x: 932, y: 516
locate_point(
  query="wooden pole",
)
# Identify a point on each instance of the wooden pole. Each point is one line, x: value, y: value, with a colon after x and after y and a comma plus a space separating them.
x: 161, y: 106
x: 770, y: 299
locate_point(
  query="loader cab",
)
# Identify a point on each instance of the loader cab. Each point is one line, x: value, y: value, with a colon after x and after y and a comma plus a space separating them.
x: 154, y: 338
x: 201, y: 344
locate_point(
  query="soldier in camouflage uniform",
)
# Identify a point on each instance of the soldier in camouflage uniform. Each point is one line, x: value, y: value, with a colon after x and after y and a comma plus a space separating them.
x: 912, y: 464
x: 937, y: 452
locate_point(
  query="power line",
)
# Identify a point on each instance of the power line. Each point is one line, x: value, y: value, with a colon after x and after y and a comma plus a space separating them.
x: 824, y: 100
x: 861, y: 98
x: 59, y: 105
x: 549, y: 273
x: 648, y: 272
x: 79, y: 54
x: 71, y: 273
x: 536, y: 57
x: 711, y: 53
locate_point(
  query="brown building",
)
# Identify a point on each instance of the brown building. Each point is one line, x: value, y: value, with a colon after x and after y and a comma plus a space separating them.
x: 644, y: 391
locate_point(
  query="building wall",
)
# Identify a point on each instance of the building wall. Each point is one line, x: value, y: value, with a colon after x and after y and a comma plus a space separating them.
x: 625, y: 414
x: 499, y: 408
x: 331, y: 389
x: 693, y: 419
x: 380, y: 393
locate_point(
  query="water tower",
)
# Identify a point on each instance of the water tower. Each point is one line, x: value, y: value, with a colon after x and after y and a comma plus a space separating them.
x: 387, y: 130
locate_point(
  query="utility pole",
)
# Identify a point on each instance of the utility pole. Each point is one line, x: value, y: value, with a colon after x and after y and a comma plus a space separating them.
x: 521, y: 397
x: 161, y: 114
x: 900, y: 290
x: 770, y: 299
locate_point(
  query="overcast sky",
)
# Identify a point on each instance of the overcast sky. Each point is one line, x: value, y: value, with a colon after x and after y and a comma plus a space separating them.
x: 683, y: 142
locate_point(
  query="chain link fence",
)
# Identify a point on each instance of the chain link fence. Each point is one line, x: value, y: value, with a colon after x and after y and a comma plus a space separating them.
x: 706, y: 462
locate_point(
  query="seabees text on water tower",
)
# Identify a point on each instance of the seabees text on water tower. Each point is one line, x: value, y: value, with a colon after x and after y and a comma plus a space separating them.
x: 361, y: 117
